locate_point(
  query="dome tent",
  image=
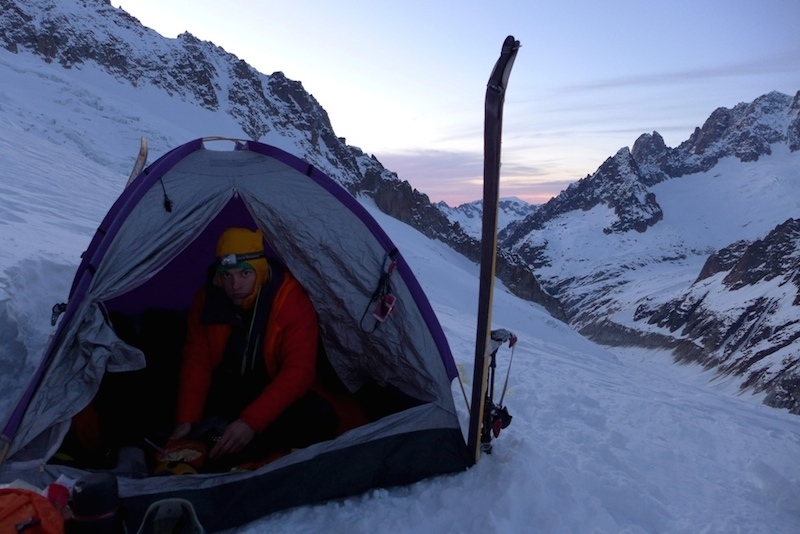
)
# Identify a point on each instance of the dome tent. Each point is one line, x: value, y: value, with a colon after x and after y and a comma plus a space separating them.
x: 151, y: 252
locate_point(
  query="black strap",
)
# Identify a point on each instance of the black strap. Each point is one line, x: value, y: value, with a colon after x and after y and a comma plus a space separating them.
x: 219, y: 309
x: 263, y: 307
x: 383, y: 288
x: 242, y: 374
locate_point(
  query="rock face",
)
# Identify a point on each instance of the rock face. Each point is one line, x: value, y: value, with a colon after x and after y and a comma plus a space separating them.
x: 399, y: 200
x: 740, y: 316
x: 78, y: 32
x: 746, y: 132
x: 742, y: 340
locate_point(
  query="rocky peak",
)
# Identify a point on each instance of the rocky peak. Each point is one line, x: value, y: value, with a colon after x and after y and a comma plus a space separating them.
x: 623, y: 181
x: 746, y: 132
x: 619, y: 183
x: 652, y: 155
x: 469, y: 216
x: 712, y: 131
x: 77, y: 32
x: 777, y: 255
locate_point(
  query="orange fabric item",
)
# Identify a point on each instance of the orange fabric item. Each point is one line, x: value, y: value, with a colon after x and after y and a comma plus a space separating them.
x: 350, y: 413
x: 26, y: 511
x: 290, y: 351
x: 84, y: 431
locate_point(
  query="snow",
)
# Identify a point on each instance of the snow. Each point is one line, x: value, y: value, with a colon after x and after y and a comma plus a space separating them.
x: 469, y: 215
x: 614, y: 276
x: 600, y: 442
x: 703, y: 212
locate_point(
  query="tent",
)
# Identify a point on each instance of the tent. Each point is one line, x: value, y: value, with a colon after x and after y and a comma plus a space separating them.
x: 147, y: 259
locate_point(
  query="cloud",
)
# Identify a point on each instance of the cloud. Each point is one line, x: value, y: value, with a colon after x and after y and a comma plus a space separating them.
x: 440, y: 174
x: 555, y: 136
x: 537, y: 192
x: 457, y: 176
x: 758, y: 67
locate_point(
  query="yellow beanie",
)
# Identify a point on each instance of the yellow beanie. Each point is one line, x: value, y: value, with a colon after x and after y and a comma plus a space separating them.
x: 244, y: 242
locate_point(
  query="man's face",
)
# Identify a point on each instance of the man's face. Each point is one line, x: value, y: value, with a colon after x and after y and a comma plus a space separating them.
x: 238, y: 283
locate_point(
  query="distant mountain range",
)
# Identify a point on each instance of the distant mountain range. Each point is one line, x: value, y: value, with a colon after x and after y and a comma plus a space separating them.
x: 469, y: 216
x: 690, y: 249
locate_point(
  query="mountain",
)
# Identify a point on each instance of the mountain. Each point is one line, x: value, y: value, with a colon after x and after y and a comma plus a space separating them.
x: 613, y: 255
x: 469, y: 216
x: 690, y: 249
x: 92, y: 35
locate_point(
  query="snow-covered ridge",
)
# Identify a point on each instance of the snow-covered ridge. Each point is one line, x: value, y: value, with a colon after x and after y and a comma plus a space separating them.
x: 623, y: 248
x: 469, y: 216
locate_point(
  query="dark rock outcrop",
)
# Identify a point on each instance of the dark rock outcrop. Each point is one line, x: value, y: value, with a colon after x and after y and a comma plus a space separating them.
x: 739, y: 340
x: 202, y: 73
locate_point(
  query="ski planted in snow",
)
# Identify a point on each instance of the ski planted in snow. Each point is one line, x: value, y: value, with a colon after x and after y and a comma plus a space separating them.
x: 141, y: 161
x: 492, y: 128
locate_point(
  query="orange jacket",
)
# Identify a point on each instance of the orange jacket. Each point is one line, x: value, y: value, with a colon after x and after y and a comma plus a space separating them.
x: 290, y: 352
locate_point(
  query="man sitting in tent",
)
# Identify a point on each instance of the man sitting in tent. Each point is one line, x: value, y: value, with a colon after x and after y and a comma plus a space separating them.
x: 248, y: 374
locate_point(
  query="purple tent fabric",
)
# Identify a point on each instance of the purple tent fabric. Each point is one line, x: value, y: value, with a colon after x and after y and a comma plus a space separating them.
x: 174, y: 285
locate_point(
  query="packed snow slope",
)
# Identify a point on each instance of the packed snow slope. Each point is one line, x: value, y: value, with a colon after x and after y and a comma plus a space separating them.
x: 599, y: 442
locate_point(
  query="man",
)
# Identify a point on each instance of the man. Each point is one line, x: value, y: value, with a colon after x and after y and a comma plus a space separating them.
x: 249, y: 364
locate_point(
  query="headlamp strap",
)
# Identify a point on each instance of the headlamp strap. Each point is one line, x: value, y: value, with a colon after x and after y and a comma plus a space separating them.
x: 231, y: 260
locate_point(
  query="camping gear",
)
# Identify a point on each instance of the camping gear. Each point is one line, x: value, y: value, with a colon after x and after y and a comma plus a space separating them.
x: 23, y: 510
x: 173, y: 516
x: 95, y: 506
x: 180, y: 456
x: 495, y: 414
x: 492, y: 137
x: 116, y: 348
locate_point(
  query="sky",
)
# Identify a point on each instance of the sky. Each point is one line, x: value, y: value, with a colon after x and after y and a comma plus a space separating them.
x: 601, y: 441
x: 406, y: 81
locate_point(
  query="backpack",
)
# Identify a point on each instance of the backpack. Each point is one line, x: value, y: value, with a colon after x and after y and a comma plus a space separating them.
x: 24, y: 511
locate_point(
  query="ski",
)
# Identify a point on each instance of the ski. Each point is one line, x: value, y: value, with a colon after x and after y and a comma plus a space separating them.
x: 492, y: 128
x: 141, y: 161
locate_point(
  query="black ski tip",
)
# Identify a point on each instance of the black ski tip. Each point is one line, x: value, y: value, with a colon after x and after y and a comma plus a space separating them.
x: 510, y: 44
x: 498, y: 80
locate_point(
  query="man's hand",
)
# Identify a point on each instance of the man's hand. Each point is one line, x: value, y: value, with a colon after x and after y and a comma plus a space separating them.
x: 181, y: 431
x: 236, y: 436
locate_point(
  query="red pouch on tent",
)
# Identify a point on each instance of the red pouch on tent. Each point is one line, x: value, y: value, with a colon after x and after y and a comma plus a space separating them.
x: 26, y: 511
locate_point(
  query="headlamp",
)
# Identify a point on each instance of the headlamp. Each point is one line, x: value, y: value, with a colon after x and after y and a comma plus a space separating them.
x: 232, y: 260
x: 228, y: 260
